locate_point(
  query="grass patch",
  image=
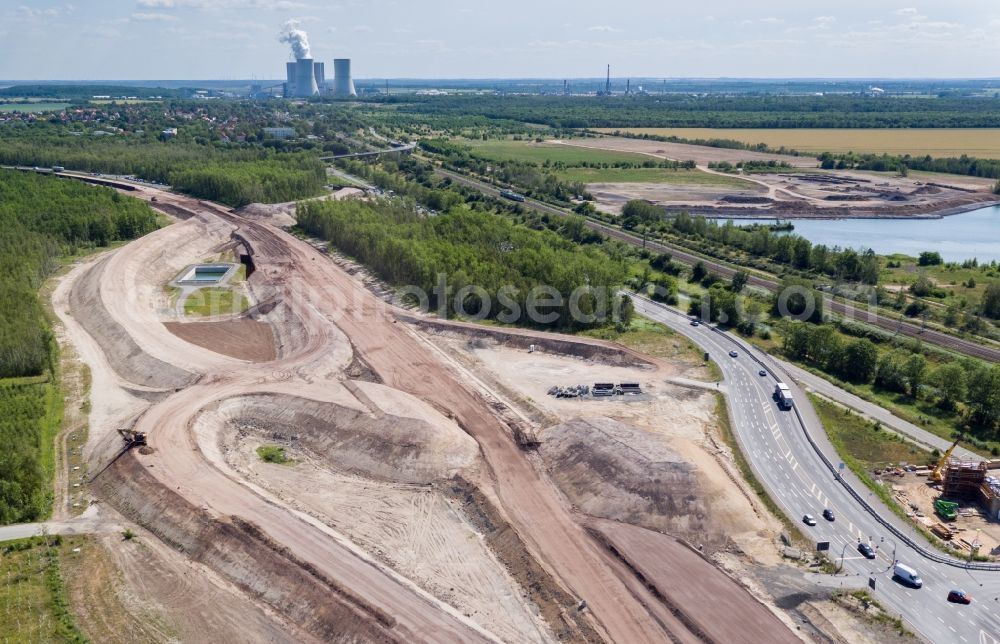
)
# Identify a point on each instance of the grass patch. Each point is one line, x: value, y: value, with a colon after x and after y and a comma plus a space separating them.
x: 651, y: 175
x: 273, y: 454
x: 865, y: 442
x: 37, y: 608
x: 940, y: 142
x: 32, y: 107
x: 531, y: 152
x: 218, y: 300
x: 862, y: 603
x: 654, y: 339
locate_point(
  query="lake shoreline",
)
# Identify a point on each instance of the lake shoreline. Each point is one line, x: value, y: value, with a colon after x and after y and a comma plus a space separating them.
x: 805, y: 211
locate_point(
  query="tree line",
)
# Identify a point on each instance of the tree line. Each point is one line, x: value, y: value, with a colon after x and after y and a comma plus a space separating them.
x: 963, y: 165
x: 489, y: 262
x: 41, y: 219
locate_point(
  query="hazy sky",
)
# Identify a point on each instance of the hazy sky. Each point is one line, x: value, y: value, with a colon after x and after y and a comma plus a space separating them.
x: 219, y: 39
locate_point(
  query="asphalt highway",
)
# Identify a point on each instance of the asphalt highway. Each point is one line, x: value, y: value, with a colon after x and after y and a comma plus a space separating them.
x: 775, y: 444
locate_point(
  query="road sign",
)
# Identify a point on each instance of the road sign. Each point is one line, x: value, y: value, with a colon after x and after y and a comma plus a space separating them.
x: 822, y: 545
x: 871, y: 583
x: 841, y: 467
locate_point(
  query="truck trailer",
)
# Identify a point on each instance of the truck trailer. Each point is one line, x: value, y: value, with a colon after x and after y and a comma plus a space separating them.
x: 783, y: 395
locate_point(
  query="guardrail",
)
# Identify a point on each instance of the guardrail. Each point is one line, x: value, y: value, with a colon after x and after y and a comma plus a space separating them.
x: 899, y: 534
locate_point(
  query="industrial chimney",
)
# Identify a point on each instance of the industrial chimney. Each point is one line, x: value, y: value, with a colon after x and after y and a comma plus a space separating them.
x: 343, y: 85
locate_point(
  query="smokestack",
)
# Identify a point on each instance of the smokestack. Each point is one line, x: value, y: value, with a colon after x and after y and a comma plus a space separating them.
x: 343, y: 85
x: 305, y: 78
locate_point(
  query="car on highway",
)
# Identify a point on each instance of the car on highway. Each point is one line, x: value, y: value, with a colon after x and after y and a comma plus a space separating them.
x: 694, y: 322
x: 959, y: 597
x: 809, y: 519
x: 828, y: 514
x: 761, y: 373
x: 907, y: 576
x: 867, y: 550
x: 733, y: 354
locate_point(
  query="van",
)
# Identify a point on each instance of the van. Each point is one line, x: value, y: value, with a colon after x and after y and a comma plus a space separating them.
x: 907, y: 575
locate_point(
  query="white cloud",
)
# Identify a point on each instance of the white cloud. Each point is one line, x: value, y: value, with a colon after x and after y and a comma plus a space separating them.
x: 603, y: 28
x: 280, y: 5
x: 363, y: 29
x: 29, y: 13
x: 153, y: 17
x: 908, y: 11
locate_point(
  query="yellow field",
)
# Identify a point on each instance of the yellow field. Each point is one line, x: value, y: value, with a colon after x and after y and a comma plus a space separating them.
x: 982, y: 143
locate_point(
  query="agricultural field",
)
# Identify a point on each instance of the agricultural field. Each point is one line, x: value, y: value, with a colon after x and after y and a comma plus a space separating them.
x: 532, y: 152
x: 650, y: 175
x: 974, y: 142
x: 32, y: 107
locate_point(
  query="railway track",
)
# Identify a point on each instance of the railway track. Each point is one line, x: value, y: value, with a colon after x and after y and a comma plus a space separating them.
x: 959, y: 345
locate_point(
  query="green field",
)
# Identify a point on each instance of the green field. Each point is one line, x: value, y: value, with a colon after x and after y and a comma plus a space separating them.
x: 32, y: 107
x: 857, y: 438
x: 981, y: 143
x: 650, y: 175
x: 215, y: 301
x: 532, y: 152
x: 36, y: 607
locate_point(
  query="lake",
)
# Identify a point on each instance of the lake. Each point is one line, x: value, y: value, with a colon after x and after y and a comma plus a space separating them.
x: 957, y: 238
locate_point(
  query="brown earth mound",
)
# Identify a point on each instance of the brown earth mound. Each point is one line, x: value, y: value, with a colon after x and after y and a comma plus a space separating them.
x: 709, y: 602
x: 383, y: 446
x: 616, y: 471
x: 126, y: 357
x: 240, y: 553
x: 243, y: 339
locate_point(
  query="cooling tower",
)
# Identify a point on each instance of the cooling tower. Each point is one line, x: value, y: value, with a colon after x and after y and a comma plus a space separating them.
x: 305, y: 78
x: 342, y: 83
x: 320, y: 73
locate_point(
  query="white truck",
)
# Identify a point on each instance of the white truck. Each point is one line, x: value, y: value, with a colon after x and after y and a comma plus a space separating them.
x: 783, y: 395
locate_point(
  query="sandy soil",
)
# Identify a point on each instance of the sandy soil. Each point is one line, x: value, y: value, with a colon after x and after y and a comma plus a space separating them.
x: 967, y: 528
x: 707, y: 599
x: 142, y: 591
x: 193, y: 499
x: 411, y: 527
x: 700, y: 154
x: 791, y: 194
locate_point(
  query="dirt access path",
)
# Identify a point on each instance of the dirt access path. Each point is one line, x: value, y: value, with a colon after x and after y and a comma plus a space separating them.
x: 329, y: 305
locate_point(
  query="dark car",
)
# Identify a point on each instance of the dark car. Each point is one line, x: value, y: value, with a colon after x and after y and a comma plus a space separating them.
x: 809, y: 519
x: 828, y: 514
x: 867, y: 550
x: 762, y: 373
x: 733, y: 354
x: 694, y: 322
x: 959, y: 597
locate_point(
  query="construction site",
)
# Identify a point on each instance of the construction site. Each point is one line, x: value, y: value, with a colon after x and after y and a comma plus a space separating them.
x: 430, y: 488
x: 957, y: 500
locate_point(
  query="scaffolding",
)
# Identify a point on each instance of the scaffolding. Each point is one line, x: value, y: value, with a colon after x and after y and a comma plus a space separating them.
x: 963, y: 480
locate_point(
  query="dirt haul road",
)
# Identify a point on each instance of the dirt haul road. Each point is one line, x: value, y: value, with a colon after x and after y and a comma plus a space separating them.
x: 329, y: 305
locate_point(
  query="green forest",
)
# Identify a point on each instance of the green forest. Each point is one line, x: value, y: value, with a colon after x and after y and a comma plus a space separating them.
x: 685, y: 110
x: 41, y: 218
x: 470, y: 248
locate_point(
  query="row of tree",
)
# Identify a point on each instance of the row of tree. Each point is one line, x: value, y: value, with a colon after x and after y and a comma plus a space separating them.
x: 41, y: 217
x: 949, y: 384
x: 492, y: 266
x: 791, y: 250
x: 964, y: 165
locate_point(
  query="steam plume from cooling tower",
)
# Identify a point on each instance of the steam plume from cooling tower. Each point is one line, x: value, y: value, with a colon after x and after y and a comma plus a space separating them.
x: 291, y: 34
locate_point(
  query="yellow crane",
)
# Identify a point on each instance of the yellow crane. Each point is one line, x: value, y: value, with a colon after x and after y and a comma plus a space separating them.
x: 938, y: 473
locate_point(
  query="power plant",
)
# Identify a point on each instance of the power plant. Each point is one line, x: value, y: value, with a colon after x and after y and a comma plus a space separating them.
x: 343, y: 84
x: 304, y: 77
